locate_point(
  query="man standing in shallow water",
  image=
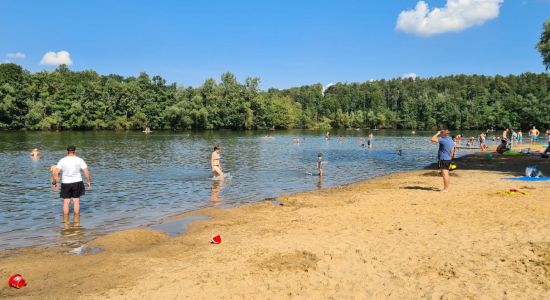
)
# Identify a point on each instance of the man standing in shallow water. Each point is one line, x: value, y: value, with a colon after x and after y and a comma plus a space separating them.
x: 534, y: 135
x: 72, y: 187
x: 444, y: 155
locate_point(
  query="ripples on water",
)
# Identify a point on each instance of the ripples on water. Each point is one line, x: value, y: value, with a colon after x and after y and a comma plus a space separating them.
x: 137, y: 179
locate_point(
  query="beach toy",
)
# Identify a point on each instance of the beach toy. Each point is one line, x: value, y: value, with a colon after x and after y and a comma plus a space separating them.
x: 217, y: 239
x: 17, y: 281
x: 512, y: 153
x: 513, y: 192
x: 452, y: 167
x: 489, y: 156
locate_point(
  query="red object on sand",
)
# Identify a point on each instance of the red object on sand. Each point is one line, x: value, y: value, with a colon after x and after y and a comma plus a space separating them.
x: 17, y: 281
x: 216, y: 239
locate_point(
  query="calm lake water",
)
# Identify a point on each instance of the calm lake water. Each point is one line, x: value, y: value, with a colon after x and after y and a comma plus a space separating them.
x: 138, y: 179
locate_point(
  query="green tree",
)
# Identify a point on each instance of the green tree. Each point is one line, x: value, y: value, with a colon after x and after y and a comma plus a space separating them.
x: 544, y: 44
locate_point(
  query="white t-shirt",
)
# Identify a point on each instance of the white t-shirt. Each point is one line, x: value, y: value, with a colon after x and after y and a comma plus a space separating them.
x: 70, y: 167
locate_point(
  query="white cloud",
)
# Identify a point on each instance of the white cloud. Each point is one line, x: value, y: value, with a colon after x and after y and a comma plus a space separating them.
x: 457, y: 15
x: 409, y: 75
x: 326, y: 88
x: 16, y: 55
x: 60, y: 58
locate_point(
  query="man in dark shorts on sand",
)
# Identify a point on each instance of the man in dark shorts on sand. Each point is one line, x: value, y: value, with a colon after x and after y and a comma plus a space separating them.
x: 444, y: 155
x: 72, y: 186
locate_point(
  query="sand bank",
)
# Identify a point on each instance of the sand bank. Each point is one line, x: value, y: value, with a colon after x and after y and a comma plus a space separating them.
x: 391, y: 237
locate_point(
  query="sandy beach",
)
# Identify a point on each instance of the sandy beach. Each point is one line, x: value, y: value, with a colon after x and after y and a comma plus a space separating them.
x: 394, y: 237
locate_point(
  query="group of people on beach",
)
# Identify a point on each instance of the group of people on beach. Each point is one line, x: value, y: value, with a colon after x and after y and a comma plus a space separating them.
x: 449, y: 146
x: 516, y: 137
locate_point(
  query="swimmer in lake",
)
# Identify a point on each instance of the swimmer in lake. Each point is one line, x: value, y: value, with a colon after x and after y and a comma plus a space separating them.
x: 215, y: 162
x: 53, y: 172
x: 35, y: 153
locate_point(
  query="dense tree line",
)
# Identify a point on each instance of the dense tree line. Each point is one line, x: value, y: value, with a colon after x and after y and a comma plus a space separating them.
x: 64, y: 99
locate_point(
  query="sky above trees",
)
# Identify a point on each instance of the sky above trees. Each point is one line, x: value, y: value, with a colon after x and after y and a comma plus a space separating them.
x: 285, y: 43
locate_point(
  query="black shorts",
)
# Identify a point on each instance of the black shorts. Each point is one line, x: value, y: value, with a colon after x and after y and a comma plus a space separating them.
x: 444, y: 164
x: 72, y: 190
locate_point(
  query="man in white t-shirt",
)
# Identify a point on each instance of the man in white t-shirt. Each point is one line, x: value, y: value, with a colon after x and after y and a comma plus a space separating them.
x: 72, y: 186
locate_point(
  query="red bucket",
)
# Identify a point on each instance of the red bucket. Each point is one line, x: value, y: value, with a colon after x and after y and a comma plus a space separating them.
x: 17, y: 281
x: 216, y: 239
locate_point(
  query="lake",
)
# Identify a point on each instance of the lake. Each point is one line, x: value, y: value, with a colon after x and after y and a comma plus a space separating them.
x: 138, y: 179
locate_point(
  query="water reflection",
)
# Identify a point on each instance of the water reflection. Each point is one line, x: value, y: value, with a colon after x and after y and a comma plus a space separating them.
x: 217, y: 186
x: 320, y: 183
x: 72, y: 232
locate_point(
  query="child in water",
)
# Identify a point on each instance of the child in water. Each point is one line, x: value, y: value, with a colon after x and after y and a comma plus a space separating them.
x: 53, y: 170
x: 35, y: 153
x: 320, y: 163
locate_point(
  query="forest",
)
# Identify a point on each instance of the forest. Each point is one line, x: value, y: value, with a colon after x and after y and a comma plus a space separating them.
x: 63, y: 99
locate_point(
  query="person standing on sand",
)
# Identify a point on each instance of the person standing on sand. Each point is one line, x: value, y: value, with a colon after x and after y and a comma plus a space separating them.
x: 72, y: 187
x: 534, y: 135
x: 444, y: 155
x: 215, y: 162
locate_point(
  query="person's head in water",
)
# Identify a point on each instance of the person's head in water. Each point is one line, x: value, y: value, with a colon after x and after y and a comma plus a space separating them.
x: 319, y: 156
x: 35, y: 153
x: 71, y: 150
x: 217, y: 148
x: 445, y: 132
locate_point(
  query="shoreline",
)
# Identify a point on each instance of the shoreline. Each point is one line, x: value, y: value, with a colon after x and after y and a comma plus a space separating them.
x: 150, y: 247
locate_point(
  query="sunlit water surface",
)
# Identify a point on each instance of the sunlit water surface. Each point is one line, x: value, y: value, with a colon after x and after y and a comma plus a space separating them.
x: 138, y: 179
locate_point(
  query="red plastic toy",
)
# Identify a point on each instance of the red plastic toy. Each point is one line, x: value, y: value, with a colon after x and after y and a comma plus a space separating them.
x: 17, y: 281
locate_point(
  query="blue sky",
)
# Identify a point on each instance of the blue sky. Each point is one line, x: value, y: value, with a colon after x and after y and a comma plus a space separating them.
x: 285, y: 43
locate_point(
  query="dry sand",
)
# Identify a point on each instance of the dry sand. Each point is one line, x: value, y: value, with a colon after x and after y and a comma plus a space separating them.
x: 393, y: 237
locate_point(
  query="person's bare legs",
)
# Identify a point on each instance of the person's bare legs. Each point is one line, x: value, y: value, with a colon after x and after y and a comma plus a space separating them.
x: 217, y: 171
x: 76, y: 220
x: 66, y: 203
x: 445, y: 174
x: 76, y: 206
x: 66, y: 221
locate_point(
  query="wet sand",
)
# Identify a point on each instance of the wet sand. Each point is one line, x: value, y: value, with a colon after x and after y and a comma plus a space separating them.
x: 393, y: 237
